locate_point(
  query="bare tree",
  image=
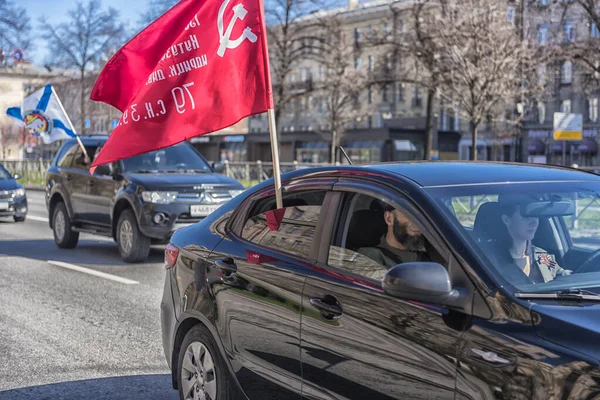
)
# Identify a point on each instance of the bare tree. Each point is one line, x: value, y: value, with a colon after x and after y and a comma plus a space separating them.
x: 583, y: 46
x: 156, y: 8
x: 293, y: 34
x: 338, y: 92
x: 479, y: 59
x: 82, y: 43
x: 14, y: 26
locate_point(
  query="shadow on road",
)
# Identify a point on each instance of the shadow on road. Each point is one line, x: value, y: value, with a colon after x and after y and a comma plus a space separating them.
x: 117, y: 388
x: 87, y: 252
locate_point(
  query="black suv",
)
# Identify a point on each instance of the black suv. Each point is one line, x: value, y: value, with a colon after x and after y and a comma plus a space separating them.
x: 137, y: 201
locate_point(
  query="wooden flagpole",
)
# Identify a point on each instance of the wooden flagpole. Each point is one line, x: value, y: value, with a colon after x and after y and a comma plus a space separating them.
x: 275, y: 154
x: 62, y: 108
x: 271, y: 112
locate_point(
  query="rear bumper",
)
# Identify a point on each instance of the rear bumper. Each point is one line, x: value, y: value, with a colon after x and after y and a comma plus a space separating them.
x: 168, y: 319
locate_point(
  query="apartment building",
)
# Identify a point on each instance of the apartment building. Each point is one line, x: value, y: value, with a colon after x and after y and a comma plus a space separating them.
x: 390, y: 123
x: 568, y: 90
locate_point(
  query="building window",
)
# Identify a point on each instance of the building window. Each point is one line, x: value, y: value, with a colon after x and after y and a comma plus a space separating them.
x: 543, y: 2
x: 565, y: 107
x: 567, y: 72
x: 511, y: 14
x: 417, y: 102
x: 543, y: 35
x: 401, y: 92
x: 384, y: 94
x: 541, y: 107
x: 594, y: 31
x: 357, y: 63
x: 357, y: 35
x: 541, y: 72
x: 569, y: 31
x: 370, y: 95
x: 370, y: 63
x: 370, y: 122
x: 593, y: 109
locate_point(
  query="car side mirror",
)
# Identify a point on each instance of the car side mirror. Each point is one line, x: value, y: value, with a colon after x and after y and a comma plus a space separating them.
x: 104, y: 169
x: 424, y: 282
x: 218, y: 167
x: 16, y: 177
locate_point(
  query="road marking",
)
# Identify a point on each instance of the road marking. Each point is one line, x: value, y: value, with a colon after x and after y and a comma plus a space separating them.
x: 33, y: 217
x: 92, y: 272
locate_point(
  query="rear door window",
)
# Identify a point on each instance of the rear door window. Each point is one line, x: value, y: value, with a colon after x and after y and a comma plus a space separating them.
x: 67, y: 156
x: 296, y: 231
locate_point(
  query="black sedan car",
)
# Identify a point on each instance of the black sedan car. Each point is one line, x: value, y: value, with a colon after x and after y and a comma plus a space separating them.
x: 395, y: 281
x: 13, y: 200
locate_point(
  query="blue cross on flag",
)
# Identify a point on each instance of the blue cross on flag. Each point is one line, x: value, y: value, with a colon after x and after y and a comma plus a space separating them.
x: 43, y: 115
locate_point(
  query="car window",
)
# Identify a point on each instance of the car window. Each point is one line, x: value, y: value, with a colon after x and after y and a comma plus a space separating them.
x: 67, y: 156
x: 79, y: 159
x: 465, y: 208
x: 297, y: 229
x: 4, y: 174
x: 373, y: 236
x: 181, y: 158
x: 539, y: 236
x: 584, y: 224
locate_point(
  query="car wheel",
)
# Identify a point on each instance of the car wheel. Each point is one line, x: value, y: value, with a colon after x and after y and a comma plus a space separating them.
x: 201, y: 371
x: 19, y: 219
x: 64, y: 236
x: 133, y: 245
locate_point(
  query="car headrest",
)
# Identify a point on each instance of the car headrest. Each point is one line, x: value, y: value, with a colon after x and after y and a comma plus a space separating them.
x: 488, y: 222
x: 366, y: 229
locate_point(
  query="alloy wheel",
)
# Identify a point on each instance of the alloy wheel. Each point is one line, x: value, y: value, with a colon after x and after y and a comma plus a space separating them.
x: 198, y: 375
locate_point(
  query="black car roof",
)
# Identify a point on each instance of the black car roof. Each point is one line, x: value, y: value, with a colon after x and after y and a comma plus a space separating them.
x: 457, y: 173
x: 460, y: 173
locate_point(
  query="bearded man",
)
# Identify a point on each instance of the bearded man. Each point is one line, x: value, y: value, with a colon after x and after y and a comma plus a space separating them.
x: 403, y: 242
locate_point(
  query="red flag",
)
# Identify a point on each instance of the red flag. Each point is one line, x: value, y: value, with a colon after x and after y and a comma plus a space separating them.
x: 201, y: 67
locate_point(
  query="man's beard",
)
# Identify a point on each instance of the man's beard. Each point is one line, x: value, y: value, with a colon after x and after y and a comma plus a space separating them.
x: 410, y: 242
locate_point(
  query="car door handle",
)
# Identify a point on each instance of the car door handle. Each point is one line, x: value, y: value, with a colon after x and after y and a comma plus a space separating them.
x: 227, y: 266
x: 328, y: 311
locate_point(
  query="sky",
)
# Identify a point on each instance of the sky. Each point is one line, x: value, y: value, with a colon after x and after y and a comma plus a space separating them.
x: 56, y: 10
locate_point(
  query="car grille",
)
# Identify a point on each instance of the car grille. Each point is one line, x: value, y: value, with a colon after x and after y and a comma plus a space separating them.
x: 194, y: 197
x: 6, y: 195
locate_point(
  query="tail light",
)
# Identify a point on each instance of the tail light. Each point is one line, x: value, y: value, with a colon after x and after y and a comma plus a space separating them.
x: 171, y: 254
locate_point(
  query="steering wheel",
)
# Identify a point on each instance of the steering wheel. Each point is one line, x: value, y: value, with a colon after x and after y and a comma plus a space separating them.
x: 591, y: 264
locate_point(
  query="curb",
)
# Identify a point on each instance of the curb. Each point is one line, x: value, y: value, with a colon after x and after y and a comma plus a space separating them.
x: 35, y: 188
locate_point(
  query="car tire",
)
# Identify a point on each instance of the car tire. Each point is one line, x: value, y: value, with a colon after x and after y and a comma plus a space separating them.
x: 134, y: 246
x: 193, y: 374
x: 19, y: 219
x: 64, y: 236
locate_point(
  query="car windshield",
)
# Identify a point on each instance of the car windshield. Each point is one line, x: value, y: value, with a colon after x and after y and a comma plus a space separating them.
x: 4, y: 175
x: 537, y: 237
x: 180, y: 158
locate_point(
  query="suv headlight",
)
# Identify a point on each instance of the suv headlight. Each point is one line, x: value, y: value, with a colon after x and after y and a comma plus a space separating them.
x: 234, y: 193
x: 20, y: 192
x: 159, y: 197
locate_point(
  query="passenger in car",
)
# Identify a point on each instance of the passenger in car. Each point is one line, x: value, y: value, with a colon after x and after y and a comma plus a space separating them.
x: 403, y: 242
x: 515, y: 243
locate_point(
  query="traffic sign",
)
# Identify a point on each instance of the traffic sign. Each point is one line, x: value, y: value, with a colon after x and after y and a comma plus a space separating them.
x: 568, y: 126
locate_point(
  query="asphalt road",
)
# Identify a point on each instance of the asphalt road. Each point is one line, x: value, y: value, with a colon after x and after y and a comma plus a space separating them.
x: 68, y: 334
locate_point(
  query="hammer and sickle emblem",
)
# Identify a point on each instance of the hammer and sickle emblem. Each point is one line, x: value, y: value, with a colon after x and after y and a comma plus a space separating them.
x: 239, y: 12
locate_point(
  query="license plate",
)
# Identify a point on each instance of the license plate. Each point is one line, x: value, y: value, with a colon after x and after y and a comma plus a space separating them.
x: 4, y: 206
x: 202, y: 210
